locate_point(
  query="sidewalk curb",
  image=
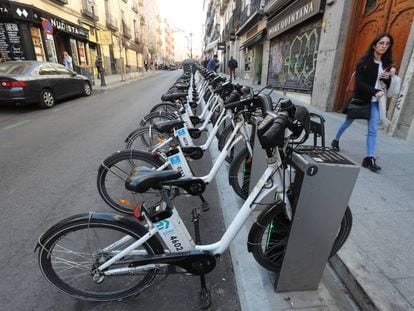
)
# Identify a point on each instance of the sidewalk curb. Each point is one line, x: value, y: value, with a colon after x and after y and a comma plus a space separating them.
x: 104, y: 89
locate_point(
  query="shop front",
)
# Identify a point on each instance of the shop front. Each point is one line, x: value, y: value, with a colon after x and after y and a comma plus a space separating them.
x: 252, y: 55
x: 27, y: 32
x: 294, y: 36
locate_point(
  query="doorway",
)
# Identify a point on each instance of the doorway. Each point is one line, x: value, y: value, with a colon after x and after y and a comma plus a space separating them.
x: 370, y: 18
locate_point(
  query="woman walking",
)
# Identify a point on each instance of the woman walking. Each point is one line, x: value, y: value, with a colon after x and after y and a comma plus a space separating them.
x: 374, y: 66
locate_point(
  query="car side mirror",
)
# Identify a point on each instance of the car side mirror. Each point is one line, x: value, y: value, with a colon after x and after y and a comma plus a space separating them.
x: 74, y: 73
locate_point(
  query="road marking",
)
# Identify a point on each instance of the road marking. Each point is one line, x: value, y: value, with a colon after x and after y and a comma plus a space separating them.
x: 14, y: 125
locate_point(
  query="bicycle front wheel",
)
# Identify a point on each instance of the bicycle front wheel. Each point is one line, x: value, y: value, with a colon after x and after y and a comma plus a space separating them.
x: 269, y: 236
x: 69, y: 255
x: 146, y: 138
x: 157, y: 116
x: 239, y: 173
x: 113, y: 173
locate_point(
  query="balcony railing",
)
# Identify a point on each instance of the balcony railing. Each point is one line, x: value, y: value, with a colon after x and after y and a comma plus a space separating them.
x: 135, y: 7
x: 249, y: 10
x: 137, y: 38
x: 87, y: 10
x: 112, y: 22
x: 126, y: 32
x: 61, y: 1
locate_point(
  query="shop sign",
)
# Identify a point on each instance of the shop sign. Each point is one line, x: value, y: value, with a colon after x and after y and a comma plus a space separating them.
x: 221, y: 46
x: 105, y: 37
x: 47, y: 27
x: 293, y: 15
x: 4, y: 10
x: 66, y: 27
x: 11, y: 47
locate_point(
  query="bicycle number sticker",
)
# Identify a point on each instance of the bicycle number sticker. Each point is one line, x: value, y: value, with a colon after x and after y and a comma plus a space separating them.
x: 174, y: 235
x: 179, y: 165
x: 184, y: 138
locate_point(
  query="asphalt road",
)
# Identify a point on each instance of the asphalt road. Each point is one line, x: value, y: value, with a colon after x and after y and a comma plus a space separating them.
x: 48, y: 167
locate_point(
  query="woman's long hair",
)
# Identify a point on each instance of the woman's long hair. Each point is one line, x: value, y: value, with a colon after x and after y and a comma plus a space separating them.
x: 386, y: 58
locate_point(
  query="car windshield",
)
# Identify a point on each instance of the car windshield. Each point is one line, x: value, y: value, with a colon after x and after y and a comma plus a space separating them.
x: 14, y: 68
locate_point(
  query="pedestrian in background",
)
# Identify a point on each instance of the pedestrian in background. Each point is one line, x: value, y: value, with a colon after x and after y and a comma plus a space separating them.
x: 146, y: 65
x: 213, y: 63
x: 205, y: 62
x: 232, y: 67
x: 67, y: 60
x: 371, y: 69
x: 98, y: 65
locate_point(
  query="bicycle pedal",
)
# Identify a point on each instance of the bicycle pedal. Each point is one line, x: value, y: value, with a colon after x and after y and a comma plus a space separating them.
x: 204, y: 298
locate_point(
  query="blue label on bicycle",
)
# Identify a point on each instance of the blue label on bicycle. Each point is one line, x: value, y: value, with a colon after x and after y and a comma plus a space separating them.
x: 175, y: 159
x: 186, y: 106
x: 181, y: 132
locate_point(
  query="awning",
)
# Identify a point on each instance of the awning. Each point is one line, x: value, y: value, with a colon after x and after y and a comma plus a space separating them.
x: 211, y: 45
x: 253, y: 40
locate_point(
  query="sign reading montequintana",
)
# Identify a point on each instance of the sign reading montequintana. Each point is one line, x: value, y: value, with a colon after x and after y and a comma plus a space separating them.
x: 292, y: 16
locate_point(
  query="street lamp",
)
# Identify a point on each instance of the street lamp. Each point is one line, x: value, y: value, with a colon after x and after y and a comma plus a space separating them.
x: 100, y: 67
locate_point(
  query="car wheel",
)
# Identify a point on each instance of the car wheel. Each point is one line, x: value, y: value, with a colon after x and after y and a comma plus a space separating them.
x: 87, y: 90
x: 47, y: 100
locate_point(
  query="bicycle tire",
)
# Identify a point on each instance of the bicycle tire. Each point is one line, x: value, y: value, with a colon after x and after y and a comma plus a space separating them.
x: 70, y: 270
x: 222, y: 140
x: 268, y: 238
x: 145, y: 138
x: 157, y: 116
x: 111, y: 187
x: 165, y: 107
x: 239, y: 173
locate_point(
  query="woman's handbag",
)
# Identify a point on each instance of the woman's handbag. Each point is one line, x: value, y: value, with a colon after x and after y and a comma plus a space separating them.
x: 358, y: 109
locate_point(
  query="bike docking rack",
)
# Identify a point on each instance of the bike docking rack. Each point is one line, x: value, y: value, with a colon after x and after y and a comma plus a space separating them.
x: 322, y: 186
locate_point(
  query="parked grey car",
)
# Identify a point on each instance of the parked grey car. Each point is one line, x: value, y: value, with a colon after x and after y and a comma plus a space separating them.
x: 28, y: 82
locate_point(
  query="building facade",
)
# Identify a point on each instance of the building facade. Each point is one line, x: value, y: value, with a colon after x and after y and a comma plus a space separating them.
x: 308, y: 49
x: 125, y: 32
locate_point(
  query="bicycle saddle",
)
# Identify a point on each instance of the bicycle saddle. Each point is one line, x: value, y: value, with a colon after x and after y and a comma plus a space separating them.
x: 173, y: 96
x: 143, y: 178
x: 168, y: 126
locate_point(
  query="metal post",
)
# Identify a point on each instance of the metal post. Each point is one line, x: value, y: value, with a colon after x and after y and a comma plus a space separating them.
x: 191, y: 45
x: 101, y: 69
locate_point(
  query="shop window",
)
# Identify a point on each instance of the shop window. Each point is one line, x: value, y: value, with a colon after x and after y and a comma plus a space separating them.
x: 38, y: 44
x: 74, y: 50
x: 82, y: 53
x: 50, y: 49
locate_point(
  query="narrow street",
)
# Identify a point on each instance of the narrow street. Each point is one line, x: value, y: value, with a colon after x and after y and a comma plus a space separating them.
x: 48, y: 163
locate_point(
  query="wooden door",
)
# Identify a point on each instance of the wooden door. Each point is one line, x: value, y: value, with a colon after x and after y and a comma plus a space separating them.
x: 370, y: 18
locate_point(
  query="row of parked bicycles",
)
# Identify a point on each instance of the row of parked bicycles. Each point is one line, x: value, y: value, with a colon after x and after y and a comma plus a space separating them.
x: 111, y: 256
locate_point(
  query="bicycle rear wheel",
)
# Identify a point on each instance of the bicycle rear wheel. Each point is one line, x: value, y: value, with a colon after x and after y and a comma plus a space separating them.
x: 113, y: 173
x: 269, y: 235
x: 68, y: 256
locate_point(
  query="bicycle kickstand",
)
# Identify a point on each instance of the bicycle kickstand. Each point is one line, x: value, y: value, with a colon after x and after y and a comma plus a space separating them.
x: 204, y: 204
x: 204, y: 296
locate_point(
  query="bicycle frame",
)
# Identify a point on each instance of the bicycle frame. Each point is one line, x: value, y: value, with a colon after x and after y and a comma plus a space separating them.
x: 260, y: 190
x: 182, y: 164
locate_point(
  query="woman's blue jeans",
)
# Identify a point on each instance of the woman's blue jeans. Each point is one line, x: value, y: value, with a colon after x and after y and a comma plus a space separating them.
x: 372, y: 129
